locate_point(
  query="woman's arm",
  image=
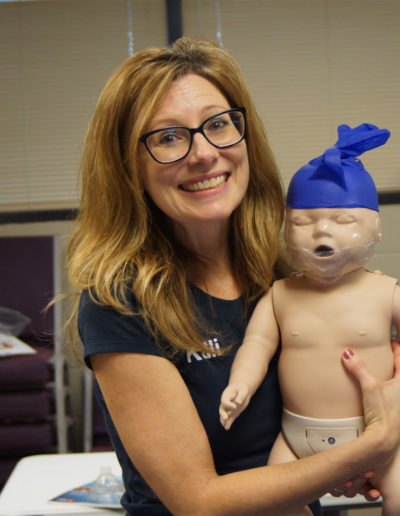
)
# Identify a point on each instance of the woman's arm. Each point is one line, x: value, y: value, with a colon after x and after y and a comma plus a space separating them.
x: 162, y: 433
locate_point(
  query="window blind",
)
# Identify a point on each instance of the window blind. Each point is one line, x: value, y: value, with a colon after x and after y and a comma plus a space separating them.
x: 312, y: 65
x: 55, y: 58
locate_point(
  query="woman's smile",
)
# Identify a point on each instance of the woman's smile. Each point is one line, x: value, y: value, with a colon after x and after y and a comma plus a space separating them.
x: 211, y: 182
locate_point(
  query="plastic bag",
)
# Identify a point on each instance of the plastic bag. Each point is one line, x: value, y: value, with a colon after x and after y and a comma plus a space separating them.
x: 12, y: 321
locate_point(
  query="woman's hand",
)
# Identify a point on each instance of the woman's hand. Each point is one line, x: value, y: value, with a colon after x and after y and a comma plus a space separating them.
x: 358, y: 485
x: 381, y: 401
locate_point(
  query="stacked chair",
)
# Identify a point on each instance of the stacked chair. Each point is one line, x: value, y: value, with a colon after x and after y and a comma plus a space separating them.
x: 33, y: 388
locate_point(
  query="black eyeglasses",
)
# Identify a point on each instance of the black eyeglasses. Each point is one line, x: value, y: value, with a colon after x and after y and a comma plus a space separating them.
x: 171, y: 144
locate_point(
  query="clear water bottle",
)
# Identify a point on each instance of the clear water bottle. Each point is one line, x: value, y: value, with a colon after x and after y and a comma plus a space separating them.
x: 107, y: 489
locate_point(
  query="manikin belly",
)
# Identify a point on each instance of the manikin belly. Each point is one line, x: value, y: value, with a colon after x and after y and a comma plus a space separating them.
x: 313, y: 380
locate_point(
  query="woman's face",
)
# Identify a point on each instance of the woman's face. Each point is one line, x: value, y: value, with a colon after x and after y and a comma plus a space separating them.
x: 209, y: 183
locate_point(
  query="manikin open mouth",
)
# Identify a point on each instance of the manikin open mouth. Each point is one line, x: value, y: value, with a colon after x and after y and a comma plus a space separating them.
x: 323, y: 250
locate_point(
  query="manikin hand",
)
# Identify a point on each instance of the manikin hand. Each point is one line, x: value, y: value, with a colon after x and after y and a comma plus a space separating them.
x: 234, y: 400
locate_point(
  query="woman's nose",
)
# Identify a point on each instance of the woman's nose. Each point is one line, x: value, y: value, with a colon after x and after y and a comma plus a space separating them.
x: 202, y: 150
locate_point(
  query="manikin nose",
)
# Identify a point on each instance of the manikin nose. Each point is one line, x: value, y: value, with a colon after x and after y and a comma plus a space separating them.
x: 322, y: 228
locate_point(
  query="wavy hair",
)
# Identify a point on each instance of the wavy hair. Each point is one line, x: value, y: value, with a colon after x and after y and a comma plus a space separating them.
x: 122, y: 240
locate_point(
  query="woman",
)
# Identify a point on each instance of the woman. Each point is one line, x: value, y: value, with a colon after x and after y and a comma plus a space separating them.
x: 177, y: 238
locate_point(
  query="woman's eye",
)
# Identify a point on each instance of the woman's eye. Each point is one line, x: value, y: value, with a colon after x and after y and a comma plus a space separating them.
x: 169, y: 137
x: 217, y: 124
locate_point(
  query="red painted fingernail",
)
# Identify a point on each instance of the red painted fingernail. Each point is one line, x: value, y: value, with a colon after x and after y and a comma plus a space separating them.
x: 348, y: 353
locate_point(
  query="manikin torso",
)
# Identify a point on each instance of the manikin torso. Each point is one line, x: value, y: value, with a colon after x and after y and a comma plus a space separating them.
x: 317, y: 324
x: 332, y: 305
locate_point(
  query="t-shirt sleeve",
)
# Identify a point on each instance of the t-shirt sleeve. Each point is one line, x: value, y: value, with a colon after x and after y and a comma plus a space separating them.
x: 104, y: 330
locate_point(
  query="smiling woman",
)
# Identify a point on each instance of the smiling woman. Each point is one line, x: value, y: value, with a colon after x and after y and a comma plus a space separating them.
x: 177, y: 238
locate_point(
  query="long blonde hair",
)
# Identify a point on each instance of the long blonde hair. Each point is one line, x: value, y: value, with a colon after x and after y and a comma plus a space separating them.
x: 122, y: 240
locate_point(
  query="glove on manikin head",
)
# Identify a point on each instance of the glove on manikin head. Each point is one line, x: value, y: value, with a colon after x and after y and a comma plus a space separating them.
x: 337, y: 179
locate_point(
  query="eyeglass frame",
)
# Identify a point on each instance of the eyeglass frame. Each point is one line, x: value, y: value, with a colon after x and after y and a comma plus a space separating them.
x: 193, y: 131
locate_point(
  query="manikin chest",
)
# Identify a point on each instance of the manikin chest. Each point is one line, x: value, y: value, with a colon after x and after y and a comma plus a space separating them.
x: 357, y: 314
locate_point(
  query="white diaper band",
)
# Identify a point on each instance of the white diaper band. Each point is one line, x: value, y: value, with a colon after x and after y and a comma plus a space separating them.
x: 307, y: 436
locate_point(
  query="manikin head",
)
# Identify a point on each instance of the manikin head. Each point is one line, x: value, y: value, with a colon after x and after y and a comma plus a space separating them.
x: 332, y: 217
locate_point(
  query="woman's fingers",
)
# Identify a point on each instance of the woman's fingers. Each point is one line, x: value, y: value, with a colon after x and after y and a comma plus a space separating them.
x: 358, y: 369
x: 358, y: 485
x: 371, y: 494
x: 380, y: 398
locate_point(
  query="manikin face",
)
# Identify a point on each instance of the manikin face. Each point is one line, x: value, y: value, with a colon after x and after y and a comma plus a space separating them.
x: 209, y: 183
x: 327, y: 243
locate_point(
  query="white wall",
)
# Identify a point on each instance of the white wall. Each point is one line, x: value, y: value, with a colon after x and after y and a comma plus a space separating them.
x: 387, y: 255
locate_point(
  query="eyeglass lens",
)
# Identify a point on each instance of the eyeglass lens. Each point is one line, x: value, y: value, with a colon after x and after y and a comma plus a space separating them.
x: 173, y: 143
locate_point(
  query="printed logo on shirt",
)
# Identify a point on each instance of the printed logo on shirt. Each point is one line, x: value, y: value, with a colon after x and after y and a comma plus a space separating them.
x: 195, y: 356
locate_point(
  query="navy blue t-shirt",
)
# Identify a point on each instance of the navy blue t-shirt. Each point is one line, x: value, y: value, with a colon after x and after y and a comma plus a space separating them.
x: 246, y: 445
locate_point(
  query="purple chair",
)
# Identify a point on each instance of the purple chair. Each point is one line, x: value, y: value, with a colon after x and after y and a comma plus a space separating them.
x: 28, y: 401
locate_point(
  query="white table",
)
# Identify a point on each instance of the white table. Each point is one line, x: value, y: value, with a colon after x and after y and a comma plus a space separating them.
x: 38, y: 478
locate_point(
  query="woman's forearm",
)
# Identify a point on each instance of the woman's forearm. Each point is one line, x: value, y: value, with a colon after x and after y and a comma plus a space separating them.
x: 279, y: 489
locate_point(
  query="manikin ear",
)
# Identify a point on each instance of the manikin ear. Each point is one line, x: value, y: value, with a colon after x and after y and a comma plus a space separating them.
x: 378, y: 228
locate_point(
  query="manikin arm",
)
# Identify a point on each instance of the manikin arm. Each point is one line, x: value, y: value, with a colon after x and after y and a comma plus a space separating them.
x: 251, y: 362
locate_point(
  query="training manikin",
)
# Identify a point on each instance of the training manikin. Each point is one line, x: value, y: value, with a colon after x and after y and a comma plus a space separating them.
x: 331, y: 303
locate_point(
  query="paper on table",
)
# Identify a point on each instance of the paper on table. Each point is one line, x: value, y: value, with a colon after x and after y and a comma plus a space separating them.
x: 83, y: 495
x: 10, y: 345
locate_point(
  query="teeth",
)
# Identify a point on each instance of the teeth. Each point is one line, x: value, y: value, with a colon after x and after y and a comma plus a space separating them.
x: 208, y: 183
